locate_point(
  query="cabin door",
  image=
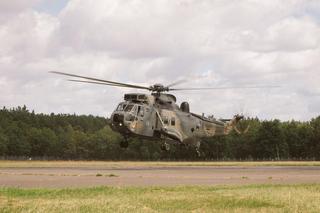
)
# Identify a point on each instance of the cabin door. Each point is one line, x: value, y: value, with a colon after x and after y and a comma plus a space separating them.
x: 145, y: 121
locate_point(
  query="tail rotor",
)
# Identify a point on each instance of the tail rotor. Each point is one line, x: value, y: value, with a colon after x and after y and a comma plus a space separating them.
x: 242, y: 125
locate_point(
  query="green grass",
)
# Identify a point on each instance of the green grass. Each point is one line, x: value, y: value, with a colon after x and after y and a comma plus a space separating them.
x: 251, y: 198
x: 121, y: 164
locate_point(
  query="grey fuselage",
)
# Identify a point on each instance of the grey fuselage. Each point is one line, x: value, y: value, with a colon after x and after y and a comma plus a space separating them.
x: 158, y: 116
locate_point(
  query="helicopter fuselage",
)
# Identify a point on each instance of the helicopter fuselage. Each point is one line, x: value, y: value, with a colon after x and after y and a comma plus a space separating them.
x: 158, y: 116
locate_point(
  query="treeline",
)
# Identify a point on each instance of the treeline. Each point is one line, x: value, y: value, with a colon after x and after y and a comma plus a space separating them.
x: 25, y: 134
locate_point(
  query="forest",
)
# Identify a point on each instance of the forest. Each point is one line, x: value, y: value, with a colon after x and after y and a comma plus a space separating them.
x: 25, y: 134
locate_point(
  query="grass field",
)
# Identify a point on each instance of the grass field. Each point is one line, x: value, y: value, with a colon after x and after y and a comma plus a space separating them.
x: 119, y: 164
x: 251, y: 198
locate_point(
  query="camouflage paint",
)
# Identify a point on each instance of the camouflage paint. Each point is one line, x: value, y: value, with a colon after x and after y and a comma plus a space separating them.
x: 160, y: 117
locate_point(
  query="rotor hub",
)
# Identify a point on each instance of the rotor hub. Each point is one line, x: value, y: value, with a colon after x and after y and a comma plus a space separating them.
x: 159, y: 88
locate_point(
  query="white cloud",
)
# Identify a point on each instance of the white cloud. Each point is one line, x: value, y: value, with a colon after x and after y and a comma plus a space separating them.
x: 214, y: 43
x: 16, y: 6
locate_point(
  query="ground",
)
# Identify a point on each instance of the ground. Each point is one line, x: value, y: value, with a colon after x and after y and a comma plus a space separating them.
x: 60, y: 186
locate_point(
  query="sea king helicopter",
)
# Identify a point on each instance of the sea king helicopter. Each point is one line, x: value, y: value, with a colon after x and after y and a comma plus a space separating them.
x: 157, y: 115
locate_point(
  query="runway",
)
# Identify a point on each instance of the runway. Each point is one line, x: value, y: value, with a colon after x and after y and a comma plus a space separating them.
x: 61, y: 177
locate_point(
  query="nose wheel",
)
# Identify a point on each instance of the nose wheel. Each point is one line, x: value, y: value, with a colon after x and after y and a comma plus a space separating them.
x: 165, y: 146
x: 198, y: 152
x: 197, y: 146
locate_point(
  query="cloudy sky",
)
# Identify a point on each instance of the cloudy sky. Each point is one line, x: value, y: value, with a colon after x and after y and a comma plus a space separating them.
x: 210, y: 43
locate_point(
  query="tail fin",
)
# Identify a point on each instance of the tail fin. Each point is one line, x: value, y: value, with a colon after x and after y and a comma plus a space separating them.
x: 232, y: 124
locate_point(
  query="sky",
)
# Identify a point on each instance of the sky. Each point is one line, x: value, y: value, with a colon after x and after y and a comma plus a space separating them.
x: 208, y: 43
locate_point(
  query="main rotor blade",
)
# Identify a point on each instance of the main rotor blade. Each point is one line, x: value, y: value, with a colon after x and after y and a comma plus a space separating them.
x: 177, y: 82
x: 101, y: 80
x: 221, y: 88
x: 101, y: 83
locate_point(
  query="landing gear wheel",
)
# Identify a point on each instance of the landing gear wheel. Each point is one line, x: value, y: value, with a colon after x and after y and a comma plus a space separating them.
x: 197, y: 145
x: 124, y: 144
x: 198, y: 152
x: 165, y: 147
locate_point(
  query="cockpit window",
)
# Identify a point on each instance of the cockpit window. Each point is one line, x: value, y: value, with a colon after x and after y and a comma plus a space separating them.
x: 128, y: 108
x: 121, y: 107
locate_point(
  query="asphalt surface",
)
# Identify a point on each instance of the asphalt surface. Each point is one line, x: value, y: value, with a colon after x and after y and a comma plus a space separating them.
x: 156, y: 176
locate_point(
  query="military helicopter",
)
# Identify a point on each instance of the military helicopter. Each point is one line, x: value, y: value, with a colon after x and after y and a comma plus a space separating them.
x: 157, y: 116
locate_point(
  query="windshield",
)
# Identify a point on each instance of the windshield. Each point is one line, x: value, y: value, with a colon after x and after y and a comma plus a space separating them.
x: 121, y: 107
x: 128, y: 108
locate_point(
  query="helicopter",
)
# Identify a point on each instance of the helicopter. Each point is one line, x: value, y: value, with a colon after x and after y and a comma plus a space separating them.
x: 157, y: 115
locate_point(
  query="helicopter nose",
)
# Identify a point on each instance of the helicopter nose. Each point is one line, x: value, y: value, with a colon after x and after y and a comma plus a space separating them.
x: 118, y: 119
x: 118, y: 124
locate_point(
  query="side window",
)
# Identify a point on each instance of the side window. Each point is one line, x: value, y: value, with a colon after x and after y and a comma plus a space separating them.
x: 173, y: 121
x: 198, y: 125
x: 165, y: 120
